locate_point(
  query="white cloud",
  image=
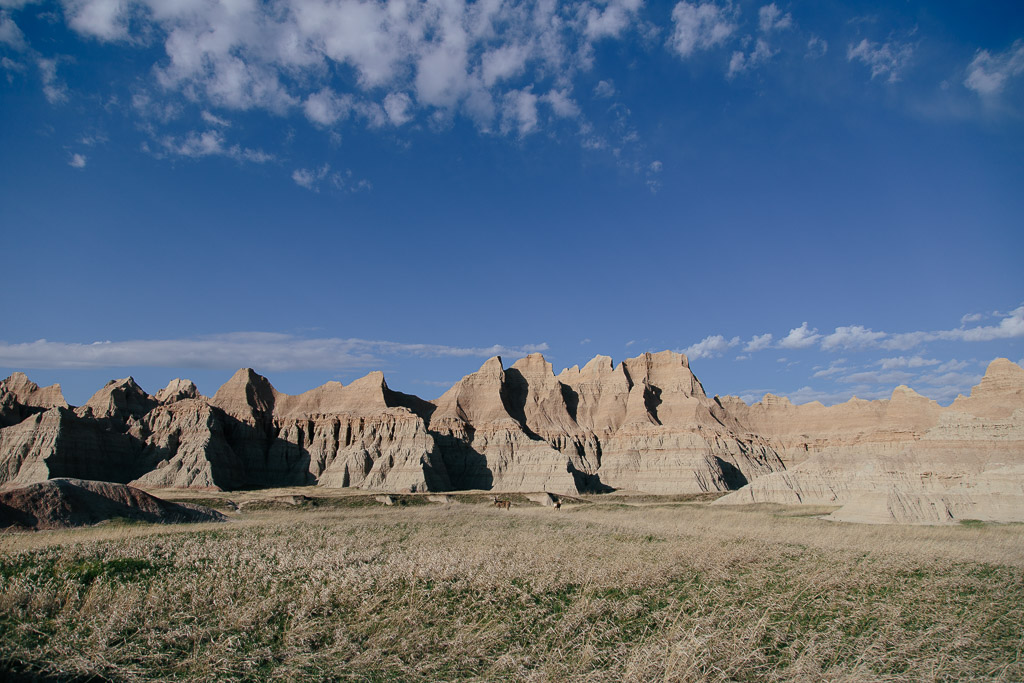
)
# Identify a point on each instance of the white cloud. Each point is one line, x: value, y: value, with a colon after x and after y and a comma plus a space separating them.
x: 961, y: 381
x: 103, y: 19
x: 739, y: 62
x: 604, y: 89
x: 11, y: 67
x: 952, y: 365
x: 196, y: 145
x: 852, y: 337
x: 1010, y: 327
x: 816, y: 48
x: 326, y: 107
x: 710, y: 347
x: 807, y: 395
x: 699, y: 27
x: 771, y: 18
x: 77, y: 161
x: 310, y: 178
x: 441, y: 74
x: 520, y: 111
x: 261, y: 350
x: 397, y: 106
x: 10, y: 34
x: 313, y: 178
x: 835, y: 368
x: 503, y: 62
x: 888, y: 59
x: 988, y: 73
x: 759, y: 342
x: 215, y: 120
x: 871, y: 377
x: 55, y: 91
x: 971, y: 318
x: 437, y: 60
x: 904, y: 362
x: 612, y: 20
x: 562, y: 104
x: 799, y: 338
x: 585, y: 341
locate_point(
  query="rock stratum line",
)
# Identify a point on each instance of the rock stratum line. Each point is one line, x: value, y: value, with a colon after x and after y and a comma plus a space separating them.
x: 644, y: 425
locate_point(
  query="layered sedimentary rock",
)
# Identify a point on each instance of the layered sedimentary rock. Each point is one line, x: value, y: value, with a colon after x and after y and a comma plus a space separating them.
x: 645, y: 424
x: 357, y: 435
x: 58, y: 443
x: 20, y: 397
x: 120, y: 400
x: 486, y: 443
x: 905, y: 459
x: 657, y: 431
x: 177, y: 390
x: 246, y: 435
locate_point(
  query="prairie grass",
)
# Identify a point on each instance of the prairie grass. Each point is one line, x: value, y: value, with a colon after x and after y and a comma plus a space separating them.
x: 595, y: 592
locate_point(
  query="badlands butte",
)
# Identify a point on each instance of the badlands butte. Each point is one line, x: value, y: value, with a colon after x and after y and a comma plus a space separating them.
x: 643, y: 425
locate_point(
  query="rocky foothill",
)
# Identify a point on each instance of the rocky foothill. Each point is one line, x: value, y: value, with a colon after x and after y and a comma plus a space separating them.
x: 645, y: 424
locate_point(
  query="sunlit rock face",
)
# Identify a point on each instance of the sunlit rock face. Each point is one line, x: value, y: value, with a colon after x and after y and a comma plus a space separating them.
x: 645, y: 424
x: 904, y: 459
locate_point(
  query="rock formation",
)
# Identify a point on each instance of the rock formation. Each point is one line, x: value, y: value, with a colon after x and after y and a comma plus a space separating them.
x: 20, y: 398
x: 62, y: 503
x: 645, y: 424
x: 905, y: 459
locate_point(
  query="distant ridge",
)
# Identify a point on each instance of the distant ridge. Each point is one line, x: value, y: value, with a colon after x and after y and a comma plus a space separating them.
x: 645, y: 424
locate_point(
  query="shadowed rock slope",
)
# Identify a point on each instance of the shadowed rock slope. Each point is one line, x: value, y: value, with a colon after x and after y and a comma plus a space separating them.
x: 62, y: 503
x: 645, y: 424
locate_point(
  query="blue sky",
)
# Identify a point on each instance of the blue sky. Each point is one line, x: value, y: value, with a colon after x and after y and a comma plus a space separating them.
x: 319, y: 189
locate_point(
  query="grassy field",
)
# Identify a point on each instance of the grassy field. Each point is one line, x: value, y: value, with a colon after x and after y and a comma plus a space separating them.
x: 624, y: 590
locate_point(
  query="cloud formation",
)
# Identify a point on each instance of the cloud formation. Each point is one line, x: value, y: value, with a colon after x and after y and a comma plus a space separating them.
x: 10, y: 33
x: 709, y: 347
x: 479, y: 59
x: 887, y: 60
x: 209, y: 143
x: 800, y: 338
x: 988, y: 73
x: 700, y: 26
x: 264, y: 350
x: 858, y: 337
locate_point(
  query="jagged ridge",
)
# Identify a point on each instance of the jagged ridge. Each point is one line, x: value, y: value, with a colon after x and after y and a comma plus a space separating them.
x: 645, y: 424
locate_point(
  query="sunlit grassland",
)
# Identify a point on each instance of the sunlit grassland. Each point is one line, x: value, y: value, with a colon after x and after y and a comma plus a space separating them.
x: 595, y: 592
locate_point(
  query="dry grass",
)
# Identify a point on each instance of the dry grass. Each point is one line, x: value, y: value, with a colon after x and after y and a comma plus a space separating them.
x: 681, y: 591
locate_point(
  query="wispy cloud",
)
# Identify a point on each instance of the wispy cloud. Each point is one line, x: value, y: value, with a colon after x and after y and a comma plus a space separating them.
x: 54, y: 89
x: 262, y: 350
x: 887, y: 60
x: 209, y: 143
x: 312, y: 179
x: 859, y: 337
x: 771, y: 18
x: 10, y: 34
x: 904, y: 362
x: 988, y: 73
x: 77, y: 161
